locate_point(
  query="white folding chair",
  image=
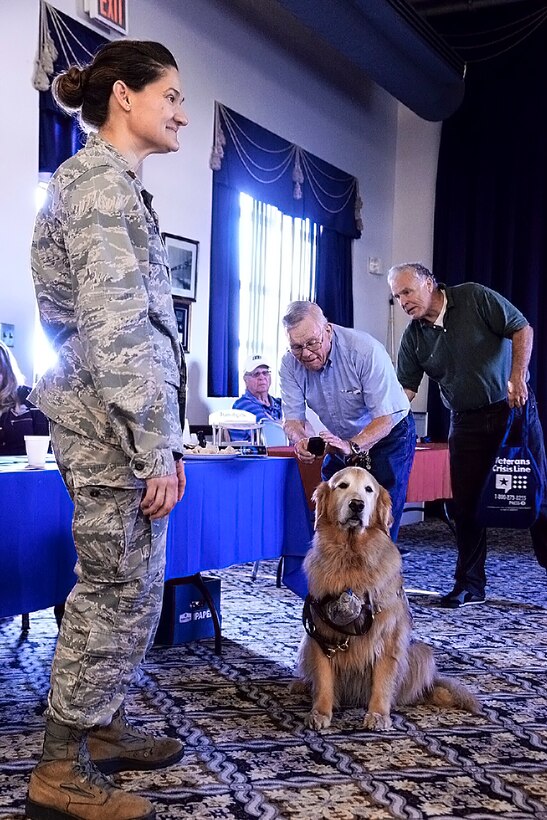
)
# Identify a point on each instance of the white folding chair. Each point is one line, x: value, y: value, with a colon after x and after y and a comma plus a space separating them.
x: 273, y: 434
x: 222, y: 421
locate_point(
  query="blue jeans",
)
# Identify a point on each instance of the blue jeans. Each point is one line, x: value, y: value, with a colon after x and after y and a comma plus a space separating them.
x: 391, y: 461
x: 474, y: 438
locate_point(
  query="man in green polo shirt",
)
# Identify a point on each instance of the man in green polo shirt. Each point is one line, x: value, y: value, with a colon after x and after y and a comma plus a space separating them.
x: 476, y: 345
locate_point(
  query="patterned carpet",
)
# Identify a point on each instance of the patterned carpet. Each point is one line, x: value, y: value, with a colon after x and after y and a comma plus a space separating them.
x: 247, y: 751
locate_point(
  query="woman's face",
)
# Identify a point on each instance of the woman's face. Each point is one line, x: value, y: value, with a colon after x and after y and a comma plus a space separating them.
x: 156, y: 114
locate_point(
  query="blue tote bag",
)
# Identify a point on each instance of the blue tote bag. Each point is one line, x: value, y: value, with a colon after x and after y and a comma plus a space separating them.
x: 512, y: 493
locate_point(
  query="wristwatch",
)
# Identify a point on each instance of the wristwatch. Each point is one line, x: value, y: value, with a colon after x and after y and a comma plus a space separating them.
x: 354, y: 447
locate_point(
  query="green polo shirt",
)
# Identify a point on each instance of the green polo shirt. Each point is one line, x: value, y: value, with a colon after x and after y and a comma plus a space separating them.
x: 470, y: 355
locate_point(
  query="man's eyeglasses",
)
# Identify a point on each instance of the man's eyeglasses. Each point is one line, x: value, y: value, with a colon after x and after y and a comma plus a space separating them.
x: 260, y: 373
x: 313, y: 345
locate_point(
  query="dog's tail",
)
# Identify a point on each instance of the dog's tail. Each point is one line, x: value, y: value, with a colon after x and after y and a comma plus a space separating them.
x: 450, y: 694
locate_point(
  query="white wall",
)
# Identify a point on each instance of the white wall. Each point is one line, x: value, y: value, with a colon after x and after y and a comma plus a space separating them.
x: 415, y: 174
x: 221, y: 58
x: 19, y: 163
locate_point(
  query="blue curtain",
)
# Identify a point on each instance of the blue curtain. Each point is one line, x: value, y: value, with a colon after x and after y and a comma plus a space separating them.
x: 334, y: 277
x: 60, y: 134
x: 491, y: 206
x: 224, y: 294
x: 247, y: 158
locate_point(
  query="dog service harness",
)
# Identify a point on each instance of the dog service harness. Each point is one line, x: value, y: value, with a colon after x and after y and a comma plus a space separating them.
x: 347, y: 614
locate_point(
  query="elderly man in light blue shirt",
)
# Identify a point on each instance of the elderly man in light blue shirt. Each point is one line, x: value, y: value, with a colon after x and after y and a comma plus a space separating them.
x: 347, y: 378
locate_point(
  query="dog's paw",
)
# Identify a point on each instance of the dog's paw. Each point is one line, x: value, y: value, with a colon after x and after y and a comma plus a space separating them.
x: 315, y: 720
x: 299, y: 687
x: 377, y: 722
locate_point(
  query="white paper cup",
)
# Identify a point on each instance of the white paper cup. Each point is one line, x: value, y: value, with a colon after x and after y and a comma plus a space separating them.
x: 36, y: 447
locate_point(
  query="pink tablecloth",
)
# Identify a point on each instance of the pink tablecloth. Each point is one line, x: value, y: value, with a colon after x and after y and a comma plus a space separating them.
x: 430, y: 474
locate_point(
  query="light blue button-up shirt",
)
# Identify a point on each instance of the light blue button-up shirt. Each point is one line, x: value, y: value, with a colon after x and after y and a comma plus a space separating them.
x: 357, y: 385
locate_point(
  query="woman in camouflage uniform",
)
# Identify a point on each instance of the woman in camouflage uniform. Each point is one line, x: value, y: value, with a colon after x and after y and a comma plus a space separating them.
x: 115, y: 398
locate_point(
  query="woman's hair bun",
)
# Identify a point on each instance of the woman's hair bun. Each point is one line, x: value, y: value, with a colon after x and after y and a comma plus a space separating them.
x: 68, y: 87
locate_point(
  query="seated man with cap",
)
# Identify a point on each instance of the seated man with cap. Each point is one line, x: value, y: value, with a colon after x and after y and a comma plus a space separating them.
x: 256, y: 398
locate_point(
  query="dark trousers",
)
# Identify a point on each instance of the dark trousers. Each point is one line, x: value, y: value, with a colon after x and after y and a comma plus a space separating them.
x: 390, y: 464
x: 474, y: 438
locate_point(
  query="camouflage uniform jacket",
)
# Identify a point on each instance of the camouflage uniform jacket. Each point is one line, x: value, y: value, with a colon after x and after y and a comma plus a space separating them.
x: 104, y: 294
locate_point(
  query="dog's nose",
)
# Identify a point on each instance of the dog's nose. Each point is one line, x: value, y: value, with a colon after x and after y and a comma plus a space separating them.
x: 356, y: 505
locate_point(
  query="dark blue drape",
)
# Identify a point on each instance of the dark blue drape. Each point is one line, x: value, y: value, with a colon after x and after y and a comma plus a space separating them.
x: 334, y: 292
x: 491, y: 205
x: 249, y: 159
x: 60, y: 134
x: 224, y: 294
x: 269, y: 168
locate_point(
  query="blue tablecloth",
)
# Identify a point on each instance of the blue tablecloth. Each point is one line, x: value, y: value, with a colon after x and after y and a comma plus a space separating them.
x: 233, y: 511
x: 36, y: 547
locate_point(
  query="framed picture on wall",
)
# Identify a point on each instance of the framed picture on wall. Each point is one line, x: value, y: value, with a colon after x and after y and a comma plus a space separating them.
x: 183, y: 261
x: 182, y: 313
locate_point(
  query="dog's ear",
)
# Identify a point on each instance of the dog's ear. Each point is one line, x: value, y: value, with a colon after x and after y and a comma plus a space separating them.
x: 320, y: 496
x: 383, y: 516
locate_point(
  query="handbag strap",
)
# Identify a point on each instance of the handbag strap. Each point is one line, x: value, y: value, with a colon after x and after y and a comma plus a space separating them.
x: 518, y: 418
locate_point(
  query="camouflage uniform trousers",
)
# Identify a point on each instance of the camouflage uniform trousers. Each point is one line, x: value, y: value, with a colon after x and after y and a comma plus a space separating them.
x: 112, y: 612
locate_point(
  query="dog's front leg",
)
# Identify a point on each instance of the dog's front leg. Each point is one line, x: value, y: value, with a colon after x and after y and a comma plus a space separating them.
x: 384, y: 677
x: 322, y: 691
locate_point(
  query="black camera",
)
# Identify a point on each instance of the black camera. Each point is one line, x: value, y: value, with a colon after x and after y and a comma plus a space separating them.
x: 316, y: 446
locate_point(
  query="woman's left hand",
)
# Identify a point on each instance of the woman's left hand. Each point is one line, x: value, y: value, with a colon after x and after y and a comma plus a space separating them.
x: 181, y: 476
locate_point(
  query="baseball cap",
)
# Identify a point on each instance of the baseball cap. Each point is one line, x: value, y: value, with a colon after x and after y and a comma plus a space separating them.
x: 253, y: 362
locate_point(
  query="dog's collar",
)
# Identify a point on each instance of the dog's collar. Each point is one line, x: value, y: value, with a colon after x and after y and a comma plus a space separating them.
x: 359, y: 626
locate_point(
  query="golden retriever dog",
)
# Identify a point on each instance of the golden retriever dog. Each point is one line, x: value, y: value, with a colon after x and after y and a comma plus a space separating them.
x: 358, y: 648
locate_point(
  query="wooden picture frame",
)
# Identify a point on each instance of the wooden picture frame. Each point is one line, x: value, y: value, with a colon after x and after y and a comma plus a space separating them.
x: 182, y: 309
x: 183, y: 262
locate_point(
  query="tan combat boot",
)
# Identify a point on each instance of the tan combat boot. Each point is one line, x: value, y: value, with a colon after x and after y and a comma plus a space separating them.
x: 65, y: 783
x: 123, y: 747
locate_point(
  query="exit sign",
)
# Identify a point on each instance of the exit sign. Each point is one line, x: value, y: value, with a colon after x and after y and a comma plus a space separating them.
x: 112, y: 13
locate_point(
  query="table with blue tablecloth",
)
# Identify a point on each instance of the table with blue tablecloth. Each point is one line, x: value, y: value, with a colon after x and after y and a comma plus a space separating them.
x: 233, y: 511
